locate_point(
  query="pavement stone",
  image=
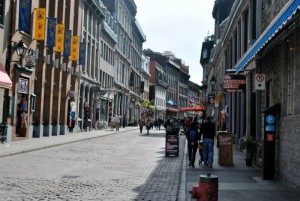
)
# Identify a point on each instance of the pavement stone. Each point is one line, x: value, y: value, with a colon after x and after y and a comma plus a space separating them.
x: 158, y: 178
x: 236, y: 183
x: 240, y: 182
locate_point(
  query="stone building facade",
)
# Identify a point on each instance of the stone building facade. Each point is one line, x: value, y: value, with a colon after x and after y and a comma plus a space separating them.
x: 43, y: 77
x: 259, y: 42
x: 145, y: 75
x: 98, y: 69
x: 5, y: 80
x: 173, y: 69
x: 128, y: 57
x: 65, y: 94
x: 183, y: 86
x: 158, y: 89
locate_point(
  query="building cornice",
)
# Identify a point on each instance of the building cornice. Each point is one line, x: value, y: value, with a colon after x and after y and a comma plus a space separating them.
x: 110, y: 32
x: 98, y: 9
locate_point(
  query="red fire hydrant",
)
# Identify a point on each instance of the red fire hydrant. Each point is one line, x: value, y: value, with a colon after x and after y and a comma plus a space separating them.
x: 207, y: 189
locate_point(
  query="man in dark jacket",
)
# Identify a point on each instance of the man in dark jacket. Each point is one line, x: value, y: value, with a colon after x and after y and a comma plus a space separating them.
x: 192, y: 136
x: 208, y: 131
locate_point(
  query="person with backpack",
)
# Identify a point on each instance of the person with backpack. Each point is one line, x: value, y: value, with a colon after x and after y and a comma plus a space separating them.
x: 192, y: 137
x: 208, y: 130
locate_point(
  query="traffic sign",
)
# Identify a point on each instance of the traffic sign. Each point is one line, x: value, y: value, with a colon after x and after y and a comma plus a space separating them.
x: 260, y: 82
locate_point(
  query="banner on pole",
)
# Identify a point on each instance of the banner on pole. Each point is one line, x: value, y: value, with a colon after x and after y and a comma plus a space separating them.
x: 51, y: 31
x: 60, y: 34
x: 74, y: 48
x: 40, y: 24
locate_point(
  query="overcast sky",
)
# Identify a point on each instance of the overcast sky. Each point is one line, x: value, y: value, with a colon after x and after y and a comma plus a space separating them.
x: 179, y: 26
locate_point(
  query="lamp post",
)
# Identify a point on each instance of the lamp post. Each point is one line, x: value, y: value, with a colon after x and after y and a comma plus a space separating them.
x: 21, y: 49
x: 22, y: 92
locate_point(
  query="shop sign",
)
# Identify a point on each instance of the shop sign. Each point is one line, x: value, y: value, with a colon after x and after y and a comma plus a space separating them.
x: 234, y: 83
x: 30, y: 61
x: 172, y: 145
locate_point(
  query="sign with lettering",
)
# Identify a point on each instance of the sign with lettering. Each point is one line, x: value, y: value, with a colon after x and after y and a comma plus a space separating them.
x: 234, y: 83
x: 172, y: 145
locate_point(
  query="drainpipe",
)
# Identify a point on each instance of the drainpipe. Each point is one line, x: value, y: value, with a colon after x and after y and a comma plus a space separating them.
x: 7, y: 63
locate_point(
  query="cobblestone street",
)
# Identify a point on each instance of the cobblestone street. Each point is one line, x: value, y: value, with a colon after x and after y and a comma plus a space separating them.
x: 122, y: 166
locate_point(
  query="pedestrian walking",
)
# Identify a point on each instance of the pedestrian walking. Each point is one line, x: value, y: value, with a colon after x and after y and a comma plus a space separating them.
x: 141, y: 124
x: 124, y: 121
x: 159, y: 123
x: 148, y: 126
x: 192, y: 138
x: 113, y: 122
x: 208, y: 130
x: 118, y: 122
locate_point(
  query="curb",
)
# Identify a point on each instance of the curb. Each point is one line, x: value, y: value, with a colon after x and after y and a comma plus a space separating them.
x: 182, y: 187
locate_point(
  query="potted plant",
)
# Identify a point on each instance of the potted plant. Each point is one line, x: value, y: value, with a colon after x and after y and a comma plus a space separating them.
x: 249, y: 144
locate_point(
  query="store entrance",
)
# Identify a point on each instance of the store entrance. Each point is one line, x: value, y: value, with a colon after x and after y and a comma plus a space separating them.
x: 22, y: 109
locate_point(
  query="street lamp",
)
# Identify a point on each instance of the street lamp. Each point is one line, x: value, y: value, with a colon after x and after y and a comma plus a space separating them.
x: 21, y: 49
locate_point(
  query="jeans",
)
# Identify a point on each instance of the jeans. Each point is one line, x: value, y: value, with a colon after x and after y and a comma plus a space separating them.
x: 208, y: 150
x: 192, y: 149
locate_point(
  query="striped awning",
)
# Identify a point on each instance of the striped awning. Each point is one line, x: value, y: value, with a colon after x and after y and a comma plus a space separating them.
x: 276, y: 25
x: 5, y: 81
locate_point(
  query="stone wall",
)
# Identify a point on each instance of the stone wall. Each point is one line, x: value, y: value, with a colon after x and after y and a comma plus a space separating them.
x: 274, y: 66
x: 289, y: 156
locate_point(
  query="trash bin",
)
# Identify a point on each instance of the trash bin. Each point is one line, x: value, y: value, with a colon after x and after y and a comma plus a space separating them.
x: 224, y: 142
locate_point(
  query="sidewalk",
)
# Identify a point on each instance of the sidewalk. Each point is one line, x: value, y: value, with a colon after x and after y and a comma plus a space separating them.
x: 239, y: 182
x: 33, y: 144
x: 236, y: 183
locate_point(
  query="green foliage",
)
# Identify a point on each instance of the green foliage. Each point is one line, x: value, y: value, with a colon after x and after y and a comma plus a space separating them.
x: 148, y: 105
x: 248, y: 143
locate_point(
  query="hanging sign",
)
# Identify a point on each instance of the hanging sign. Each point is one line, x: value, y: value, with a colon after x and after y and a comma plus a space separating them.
x: 260, y: 82
x: 234, y: 83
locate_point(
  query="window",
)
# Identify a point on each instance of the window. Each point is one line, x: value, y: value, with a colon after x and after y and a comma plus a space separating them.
x: 32, y: 102
x: 2, y: 6
x: 204, y: 54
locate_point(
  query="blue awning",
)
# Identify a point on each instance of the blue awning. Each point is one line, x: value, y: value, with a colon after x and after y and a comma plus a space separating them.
x: 279, y: 21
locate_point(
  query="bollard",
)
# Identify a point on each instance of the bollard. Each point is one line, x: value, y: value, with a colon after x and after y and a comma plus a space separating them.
x: 207, y: 189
